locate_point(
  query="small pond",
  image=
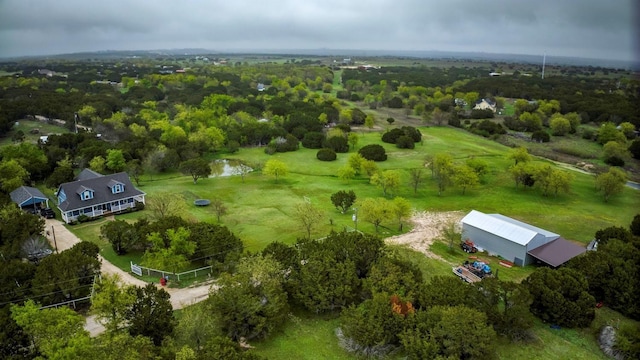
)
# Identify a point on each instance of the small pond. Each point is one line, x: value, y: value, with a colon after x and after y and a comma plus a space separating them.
x: 228, y: 167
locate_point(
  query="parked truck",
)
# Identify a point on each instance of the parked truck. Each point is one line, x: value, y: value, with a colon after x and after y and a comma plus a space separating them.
x: 468, y: 246
x: 473, y: 271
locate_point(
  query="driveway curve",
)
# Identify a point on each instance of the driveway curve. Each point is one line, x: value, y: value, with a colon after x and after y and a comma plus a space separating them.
x: 62, y: 239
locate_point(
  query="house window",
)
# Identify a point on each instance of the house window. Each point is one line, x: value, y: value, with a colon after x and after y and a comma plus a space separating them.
x: 86, y: 195
x: 117, y: 188
x: 76, y: 212
x: 87, y: 210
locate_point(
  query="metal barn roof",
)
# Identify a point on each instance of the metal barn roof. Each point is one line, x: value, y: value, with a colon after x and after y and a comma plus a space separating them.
x: 557, y: 252
x: 546, y: 233
x: 500, y: 227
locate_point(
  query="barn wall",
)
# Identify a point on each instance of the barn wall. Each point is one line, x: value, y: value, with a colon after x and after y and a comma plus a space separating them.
x: 494, y: 244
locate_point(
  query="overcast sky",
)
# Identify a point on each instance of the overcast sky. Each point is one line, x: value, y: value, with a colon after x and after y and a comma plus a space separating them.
x: 604, y: 29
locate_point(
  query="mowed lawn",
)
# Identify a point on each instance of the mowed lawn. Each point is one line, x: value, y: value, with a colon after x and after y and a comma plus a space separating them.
x: 260, y: 211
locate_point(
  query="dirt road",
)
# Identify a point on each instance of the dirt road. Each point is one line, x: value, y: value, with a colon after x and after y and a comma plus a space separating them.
x: 65, y: 239
x: 427, y: 227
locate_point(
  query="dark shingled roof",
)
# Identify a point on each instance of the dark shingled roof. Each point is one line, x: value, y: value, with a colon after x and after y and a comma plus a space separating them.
x: 24, y: 193
x: 102, y: 192
x: 86, y: 174
x: 557, y: 252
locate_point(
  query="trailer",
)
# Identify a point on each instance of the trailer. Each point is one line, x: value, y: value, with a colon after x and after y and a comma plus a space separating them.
x: 465, y: 274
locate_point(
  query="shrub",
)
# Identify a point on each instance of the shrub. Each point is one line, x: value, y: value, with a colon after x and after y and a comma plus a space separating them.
x: 233, y: 146
x: 270, y: 149
x: 540, y: 136
x: 614, y: 161
x: 313, y: 140
x: 83, y: 218
x: 395, y: 103
x: 575, y: 151
x: 338, y: 143
x: 342, y: 94
x: 373, y: 152
x: 357, y: 116
x: 454, y: 121
x: 482, y: 114
x: 326, y: 155
x: 405, y: 142
x: 392, y: 136
x: 412, y: 132
x: 634, y: 149
x: 588, y: 134
x: 355, y: 97
x: 487, y: 128
x: 344, y: 127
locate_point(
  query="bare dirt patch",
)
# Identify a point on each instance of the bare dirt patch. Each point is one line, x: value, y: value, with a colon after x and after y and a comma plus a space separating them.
x: 427, y: 228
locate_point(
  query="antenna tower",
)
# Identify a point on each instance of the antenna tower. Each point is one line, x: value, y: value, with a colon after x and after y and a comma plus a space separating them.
x: 544, y: 60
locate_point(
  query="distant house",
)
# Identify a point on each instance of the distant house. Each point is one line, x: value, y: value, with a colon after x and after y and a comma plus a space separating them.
x: 29, y: 198
x: 485, y: 104
x: 93, y: 194
x: 518, y: 242
x: 261, y: 87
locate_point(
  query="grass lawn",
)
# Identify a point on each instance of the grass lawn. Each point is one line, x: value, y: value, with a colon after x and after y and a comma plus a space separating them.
x: 27, y: 125
x: 304, y: 337
x: 260, y: 210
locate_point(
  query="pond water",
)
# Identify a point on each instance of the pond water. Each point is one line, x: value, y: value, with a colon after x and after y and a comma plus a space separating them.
x: 228, y: 167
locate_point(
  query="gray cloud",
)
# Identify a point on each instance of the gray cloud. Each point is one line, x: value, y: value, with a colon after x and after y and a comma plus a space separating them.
x: 585, y: 28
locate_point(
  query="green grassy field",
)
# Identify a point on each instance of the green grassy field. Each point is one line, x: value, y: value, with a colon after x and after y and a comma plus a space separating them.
x: 27, y: 125
x: 260, y: 211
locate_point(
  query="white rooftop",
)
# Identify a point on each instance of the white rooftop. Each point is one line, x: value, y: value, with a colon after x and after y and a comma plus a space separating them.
x: 505, y: 227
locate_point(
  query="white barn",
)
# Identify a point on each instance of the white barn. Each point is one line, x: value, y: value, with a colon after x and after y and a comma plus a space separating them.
x: 516, y: 241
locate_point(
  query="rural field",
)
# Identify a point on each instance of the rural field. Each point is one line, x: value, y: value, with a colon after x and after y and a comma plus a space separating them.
x: 260, y: 211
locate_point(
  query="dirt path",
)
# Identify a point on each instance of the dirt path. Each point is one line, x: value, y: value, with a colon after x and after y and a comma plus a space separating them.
x: 65, y: 239
x: 427, y: 227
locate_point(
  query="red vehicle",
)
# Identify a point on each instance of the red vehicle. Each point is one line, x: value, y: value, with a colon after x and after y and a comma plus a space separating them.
x: 468, y: 246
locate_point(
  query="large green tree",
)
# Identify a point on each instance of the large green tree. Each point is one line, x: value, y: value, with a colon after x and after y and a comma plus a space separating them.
x: 57, y: 333
x: 375, y: 211
x: 456, y: 332
x: 343, y: 200
x: 174, y: 257
x: 388, y: 181
x: 251, y: 303
x: 611, y: 183
x: 151, y: 314
x: 112, y: 302
x: 561, y: 297
x: 197, y: 168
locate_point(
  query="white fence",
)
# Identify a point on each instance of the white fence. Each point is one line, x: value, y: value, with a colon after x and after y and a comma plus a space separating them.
x: 139, y: 270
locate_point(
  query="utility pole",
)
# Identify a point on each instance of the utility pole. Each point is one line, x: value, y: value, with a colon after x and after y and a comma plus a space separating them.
x: 544, y: 60
x: 53, y: 231
x: 355, y: 217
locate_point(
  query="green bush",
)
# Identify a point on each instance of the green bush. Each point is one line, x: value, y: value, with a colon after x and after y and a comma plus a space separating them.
x: 373, y: 152
x: 540, y: 136
x: 405, y: 142
x: 337, y: 143
x: 83, y: 218
x: 326, y: 155
x: 313, y: 140
x: 390, y: 137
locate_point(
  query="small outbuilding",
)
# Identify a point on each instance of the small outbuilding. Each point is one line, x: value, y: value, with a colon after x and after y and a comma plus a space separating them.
x: 29, y: 198
x: 518, y: 242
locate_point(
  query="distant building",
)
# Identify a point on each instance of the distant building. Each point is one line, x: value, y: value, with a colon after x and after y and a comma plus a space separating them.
x: 485, y: 104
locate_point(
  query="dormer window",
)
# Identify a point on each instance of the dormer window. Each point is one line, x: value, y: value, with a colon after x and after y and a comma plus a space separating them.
x: 116, y: 187
x: 85, y: 193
